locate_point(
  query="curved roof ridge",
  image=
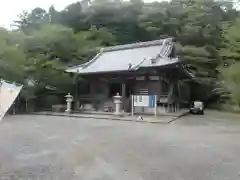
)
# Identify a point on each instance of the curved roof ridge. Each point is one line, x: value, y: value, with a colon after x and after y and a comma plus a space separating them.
x: 136, y: 45
x: 93, y: 59
x: 164, y: 52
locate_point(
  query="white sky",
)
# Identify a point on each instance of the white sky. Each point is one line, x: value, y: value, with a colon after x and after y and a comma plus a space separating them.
x: 11, y: 8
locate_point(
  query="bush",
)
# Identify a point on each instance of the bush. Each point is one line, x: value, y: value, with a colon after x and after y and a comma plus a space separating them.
x: 231, y: 77
x: 228, y: 107
x: 46, y: 102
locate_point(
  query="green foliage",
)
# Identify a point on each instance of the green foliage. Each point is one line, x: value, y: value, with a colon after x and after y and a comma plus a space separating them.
x: 47, y: 100
x: 231, y: 51
x: 231, y: 77
x: 46, y: 41
x: 12, y: 58
x: 53, y: 41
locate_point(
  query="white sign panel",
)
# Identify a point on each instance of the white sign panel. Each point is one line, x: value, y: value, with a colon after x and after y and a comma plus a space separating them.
x: 141, y: 100
x: 8, y: 94
x: 154, y: 78
x: 140, y: 78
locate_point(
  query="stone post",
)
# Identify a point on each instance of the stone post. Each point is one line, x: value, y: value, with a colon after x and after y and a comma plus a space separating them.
x: 69, y: 100
x: 118, y: 103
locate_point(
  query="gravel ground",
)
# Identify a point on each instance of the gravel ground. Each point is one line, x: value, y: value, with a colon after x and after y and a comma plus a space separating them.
x: 59, y: 148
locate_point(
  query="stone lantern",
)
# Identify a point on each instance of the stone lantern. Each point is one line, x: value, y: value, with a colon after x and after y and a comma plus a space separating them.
x: 69, y: 100
x: 118, y: 103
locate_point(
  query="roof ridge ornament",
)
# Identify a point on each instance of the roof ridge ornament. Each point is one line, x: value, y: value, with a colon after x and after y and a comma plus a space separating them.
x: 153, y: 60
x: 164, y: 51
x: 130, y: 66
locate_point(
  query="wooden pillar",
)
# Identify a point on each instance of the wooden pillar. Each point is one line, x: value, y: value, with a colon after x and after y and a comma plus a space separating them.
x: 92, y: 88
x: 93, y: 94
x: 123, y: 96
x: 123, y: 90
x: 76, y: 96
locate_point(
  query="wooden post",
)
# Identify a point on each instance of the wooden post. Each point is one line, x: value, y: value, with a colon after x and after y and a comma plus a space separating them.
x: 76, y: 101
x: 132, y: 105
x: 123, y: 90
x: 26, y: 105
x: 92, y: 94
x: 123, y: 96
x: 155, y: 106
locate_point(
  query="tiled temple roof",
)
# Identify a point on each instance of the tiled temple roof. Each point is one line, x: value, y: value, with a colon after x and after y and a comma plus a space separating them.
x: 129, y: 57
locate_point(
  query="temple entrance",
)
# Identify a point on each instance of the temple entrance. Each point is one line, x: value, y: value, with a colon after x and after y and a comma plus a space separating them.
x: 114, y: 88
x: 129, y: 90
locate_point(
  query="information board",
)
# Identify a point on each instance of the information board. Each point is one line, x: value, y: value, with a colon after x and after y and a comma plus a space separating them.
x: 149, y: 101
x: 141, y: 100
x: 144, y: 100
x: 152, y: 101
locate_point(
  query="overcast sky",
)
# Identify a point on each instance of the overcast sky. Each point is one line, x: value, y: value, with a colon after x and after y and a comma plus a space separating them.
x: 11, y: 8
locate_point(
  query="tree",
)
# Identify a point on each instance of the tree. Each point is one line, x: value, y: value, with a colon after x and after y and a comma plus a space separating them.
x: 196, y: 26
x: 230, y: 56
x: 29, y: 22
x: 54, y: 16
x: 12, y: 57
x: 52, y: 41
x: 58, y: 42
x: 231, y: 77
x: 230, y: 53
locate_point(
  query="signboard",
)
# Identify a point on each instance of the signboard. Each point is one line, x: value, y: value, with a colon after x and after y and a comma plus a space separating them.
x: 141, y: 100
x: 144, y: 100
x: 152, y: 101
x: 140, y: 78
x: 163, y: 99
x: 154, y: 78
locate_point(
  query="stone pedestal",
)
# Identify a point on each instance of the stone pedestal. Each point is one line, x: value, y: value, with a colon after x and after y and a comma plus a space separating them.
x: 118, y: 103
x: 69, y: 100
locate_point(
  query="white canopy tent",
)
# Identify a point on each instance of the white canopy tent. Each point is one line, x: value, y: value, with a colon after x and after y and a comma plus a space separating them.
x: 8, y: 93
